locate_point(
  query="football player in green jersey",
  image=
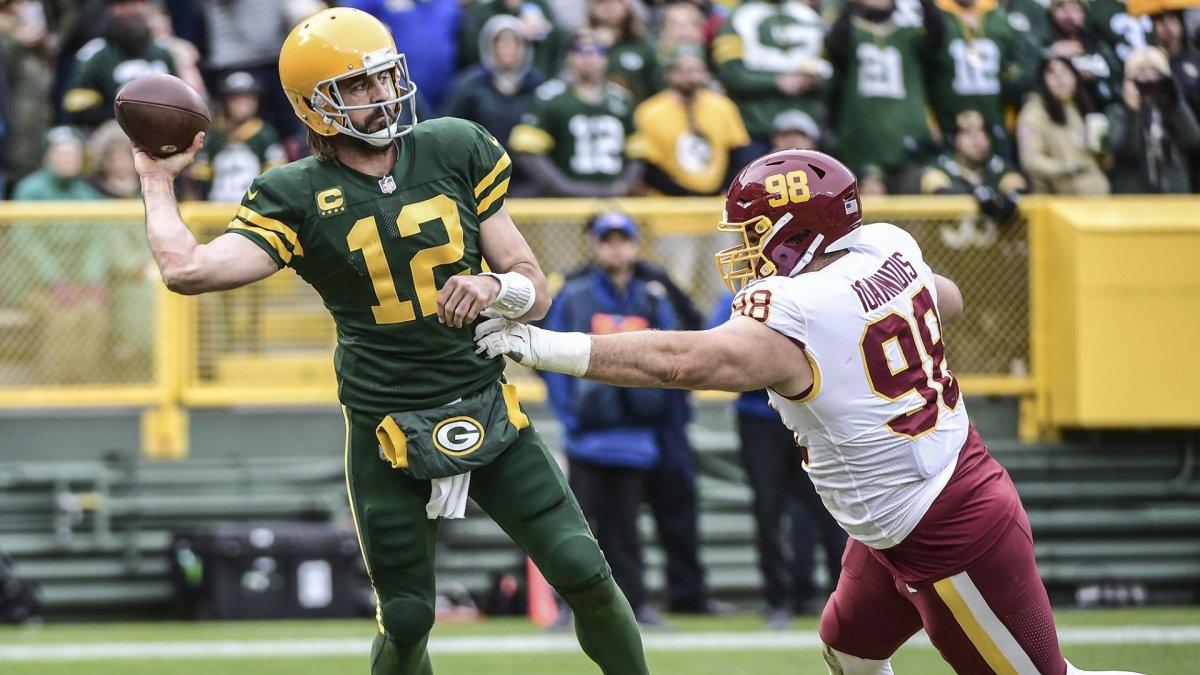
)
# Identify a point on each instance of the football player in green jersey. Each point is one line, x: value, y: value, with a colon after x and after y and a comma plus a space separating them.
x: 397, y: 225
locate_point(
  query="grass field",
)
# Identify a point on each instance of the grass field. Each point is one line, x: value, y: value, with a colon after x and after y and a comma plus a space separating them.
x: 1153, y: 641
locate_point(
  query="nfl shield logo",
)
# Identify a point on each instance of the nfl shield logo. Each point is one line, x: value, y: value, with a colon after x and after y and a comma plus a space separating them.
x: 387, y: 184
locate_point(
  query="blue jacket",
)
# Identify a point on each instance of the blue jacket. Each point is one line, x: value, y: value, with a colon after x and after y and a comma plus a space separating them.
x: 603, y: 424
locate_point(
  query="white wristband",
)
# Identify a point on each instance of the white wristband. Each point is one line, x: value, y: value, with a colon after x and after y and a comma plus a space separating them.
x: 516, y: 294
x: 567, y: 353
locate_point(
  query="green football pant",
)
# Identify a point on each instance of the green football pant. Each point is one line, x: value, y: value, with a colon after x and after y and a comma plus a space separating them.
x: 524, y: 491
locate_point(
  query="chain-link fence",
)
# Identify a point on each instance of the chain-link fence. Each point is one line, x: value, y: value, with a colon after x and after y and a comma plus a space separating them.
x: 79, y: 294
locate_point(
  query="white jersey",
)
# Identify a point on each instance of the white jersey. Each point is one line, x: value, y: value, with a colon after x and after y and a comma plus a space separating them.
x: 883, y: 422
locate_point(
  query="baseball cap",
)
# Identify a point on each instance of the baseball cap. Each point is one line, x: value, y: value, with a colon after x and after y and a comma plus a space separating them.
x: 239, y: 82
x: 796, y: 120
x: 613, y: 221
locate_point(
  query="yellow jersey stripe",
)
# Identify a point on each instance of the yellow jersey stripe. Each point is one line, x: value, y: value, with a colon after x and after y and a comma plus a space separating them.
x: 271, y: 224
x: 487, y: 180
x: 273, y: 239
x: 498, y: 192
x: 971, y: 626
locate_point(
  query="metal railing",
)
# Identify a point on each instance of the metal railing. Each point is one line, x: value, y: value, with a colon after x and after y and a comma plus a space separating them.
x: 85, y: 321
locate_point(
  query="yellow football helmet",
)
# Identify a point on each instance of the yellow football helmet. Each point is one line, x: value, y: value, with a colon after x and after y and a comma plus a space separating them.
x: 333, y: 46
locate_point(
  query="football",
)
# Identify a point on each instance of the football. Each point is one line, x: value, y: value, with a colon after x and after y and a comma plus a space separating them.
x: 161, y: 113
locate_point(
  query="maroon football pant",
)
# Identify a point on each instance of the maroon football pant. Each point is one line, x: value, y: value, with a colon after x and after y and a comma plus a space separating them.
x: 992, y: 618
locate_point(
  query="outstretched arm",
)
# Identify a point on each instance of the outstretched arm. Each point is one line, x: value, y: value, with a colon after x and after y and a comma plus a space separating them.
x: 739, y: 355
x: 189, y: 268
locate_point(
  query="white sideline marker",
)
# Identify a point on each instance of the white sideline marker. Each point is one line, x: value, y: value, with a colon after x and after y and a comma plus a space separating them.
x: 232, y: 649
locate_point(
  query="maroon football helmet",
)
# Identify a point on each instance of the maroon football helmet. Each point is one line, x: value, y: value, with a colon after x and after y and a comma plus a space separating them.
x: 790, y: 207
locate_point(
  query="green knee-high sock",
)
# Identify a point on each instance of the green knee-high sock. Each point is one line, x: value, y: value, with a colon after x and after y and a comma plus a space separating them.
x: 606, y: 629
x: 389, y: 658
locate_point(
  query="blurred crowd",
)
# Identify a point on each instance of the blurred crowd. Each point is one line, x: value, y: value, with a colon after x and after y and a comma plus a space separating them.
x: 602, y: 98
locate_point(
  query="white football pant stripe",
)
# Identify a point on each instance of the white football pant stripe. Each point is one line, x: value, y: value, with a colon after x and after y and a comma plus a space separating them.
x: 985, y: 630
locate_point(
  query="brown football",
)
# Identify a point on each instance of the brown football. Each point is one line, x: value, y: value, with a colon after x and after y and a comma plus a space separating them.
x: 161, y: 113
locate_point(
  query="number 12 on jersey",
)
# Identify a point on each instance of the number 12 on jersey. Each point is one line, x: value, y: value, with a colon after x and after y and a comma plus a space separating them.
x: 893, y: 383
x: 364, y: 236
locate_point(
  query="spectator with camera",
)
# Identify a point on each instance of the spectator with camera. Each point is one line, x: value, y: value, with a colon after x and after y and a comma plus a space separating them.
x: 1170, y: 33
x: 1152, y: 130
x: 1059, y: 134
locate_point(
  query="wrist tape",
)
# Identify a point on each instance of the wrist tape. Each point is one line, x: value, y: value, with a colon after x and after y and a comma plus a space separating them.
x: 516, y: 295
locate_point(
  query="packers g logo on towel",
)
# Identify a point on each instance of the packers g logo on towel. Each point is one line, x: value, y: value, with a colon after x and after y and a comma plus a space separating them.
x: 458, y: 436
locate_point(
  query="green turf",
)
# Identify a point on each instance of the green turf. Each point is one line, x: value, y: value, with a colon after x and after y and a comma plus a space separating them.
x: 1156, y: 659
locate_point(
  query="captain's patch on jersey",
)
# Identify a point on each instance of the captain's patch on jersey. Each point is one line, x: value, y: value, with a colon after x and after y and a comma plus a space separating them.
x: 331, y: 201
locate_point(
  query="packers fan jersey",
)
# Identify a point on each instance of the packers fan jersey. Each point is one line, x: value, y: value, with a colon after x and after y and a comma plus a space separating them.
x: 981, y: 67
x: 884, y: 71
x: 378, y: 250
x: 101, y: 68
x: 946, y: 174
x: 586, y: 140
x: 231, y: 160
x: 1111, y: 22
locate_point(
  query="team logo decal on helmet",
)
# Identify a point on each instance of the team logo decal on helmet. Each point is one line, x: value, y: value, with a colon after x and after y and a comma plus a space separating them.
x: 332, y: 47
x: 790, y: 207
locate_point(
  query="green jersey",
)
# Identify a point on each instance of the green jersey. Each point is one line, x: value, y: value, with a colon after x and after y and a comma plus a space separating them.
x: 378, y: 250
x: 231, y: 159
x: 760, y: 41
x: 1111, y: 22
x: 883, y: 71
x: 1031, y: 17
x: 983, y: 64
x: 101, y: 68
x: 633, y: 64
x: 587, y: 140
x: 946, y: 176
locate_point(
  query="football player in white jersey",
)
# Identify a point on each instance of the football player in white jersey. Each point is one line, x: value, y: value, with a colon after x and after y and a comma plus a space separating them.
x: 841, y: 322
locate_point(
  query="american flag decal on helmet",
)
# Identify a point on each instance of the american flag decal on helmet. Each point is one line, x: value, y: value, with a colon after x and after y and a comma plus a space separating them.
x: 851, y: 206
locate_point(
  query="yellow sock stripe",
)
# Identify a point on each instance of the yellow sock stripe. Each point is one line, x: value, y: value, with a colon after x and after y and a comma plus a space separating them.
x: 273, y: 225
x: 971, y: 626
x: 487, y: 180
x: 272, y: 238
x: 498, y: 192
x: 354, y: 513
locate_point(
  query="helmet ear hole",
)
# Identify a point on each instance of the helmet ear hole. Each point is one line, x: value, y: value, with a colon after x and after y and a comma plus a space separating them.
x: 817, y: 170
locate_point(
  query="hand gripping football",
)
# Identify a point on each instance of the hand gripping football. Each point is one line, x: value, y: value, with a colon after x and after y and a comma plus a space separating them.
x: 161, y: 113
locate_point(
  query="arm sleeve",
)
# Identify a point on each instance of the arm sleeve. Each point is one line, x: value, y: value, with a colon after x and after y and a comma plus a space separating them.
x: 728, y: 51
x: 84, y: 99
x: 264, y: 219
x: 489, y: 170
x: 785, y: 315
